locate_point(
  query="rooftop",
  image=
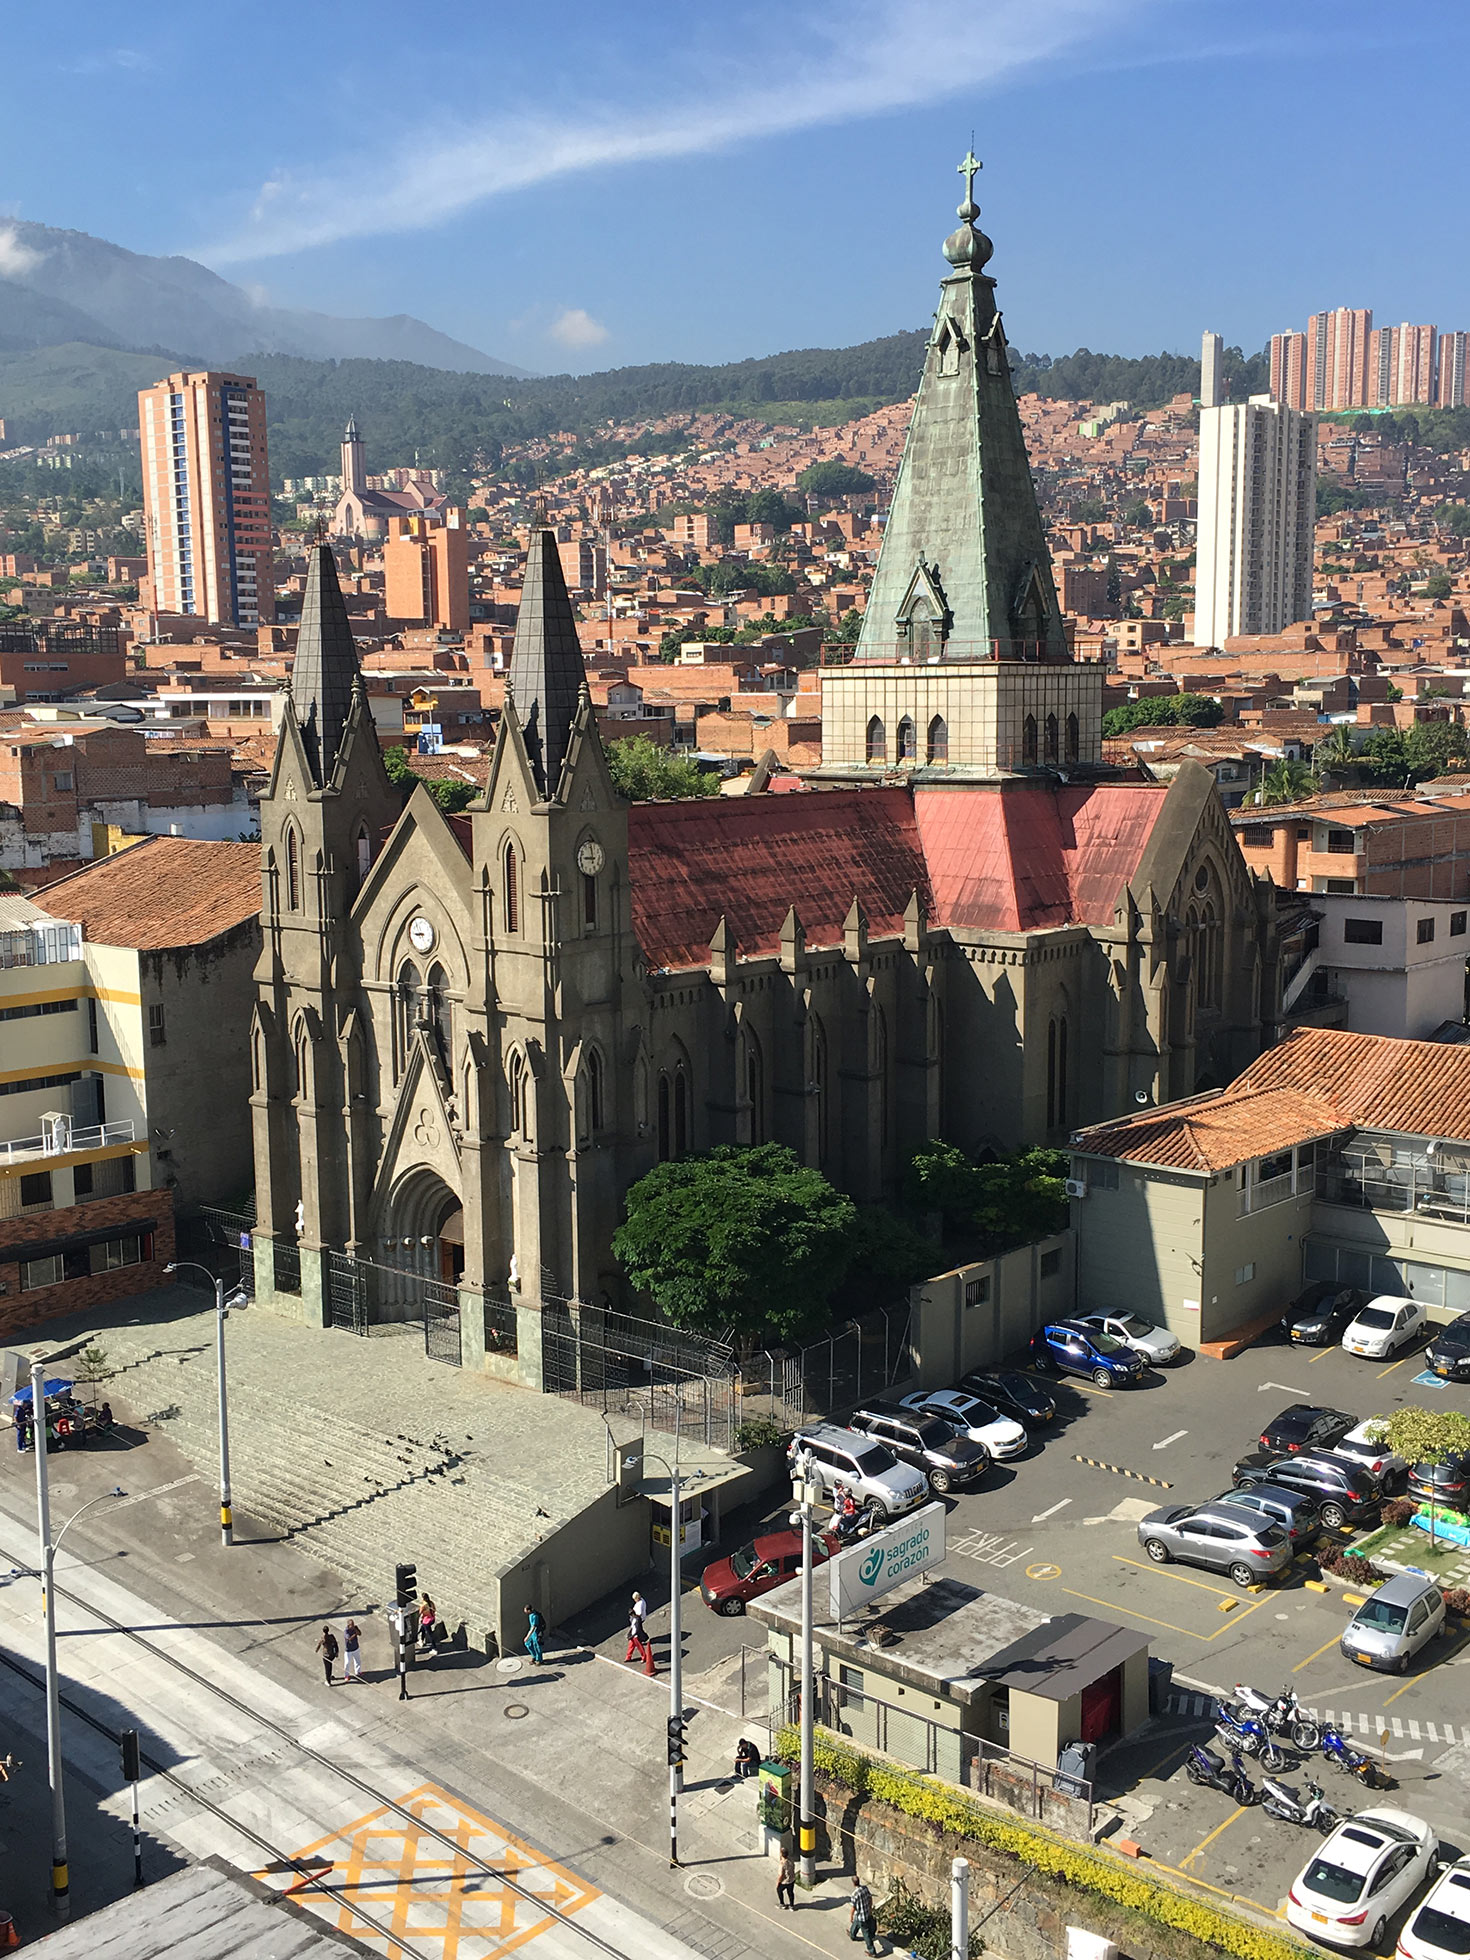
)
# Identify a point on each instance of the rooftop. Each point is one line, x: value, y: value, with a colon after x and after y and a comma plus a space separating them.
x: 162, y: 892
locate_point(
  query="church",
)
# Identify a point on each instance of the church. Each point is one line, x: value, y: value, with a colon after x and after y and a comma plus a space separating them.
x: 474, y: 1032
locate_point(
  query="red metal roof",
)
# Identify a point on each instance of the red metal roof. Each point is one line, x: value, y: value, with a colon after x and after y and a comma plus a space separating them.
x: 1021, y: 858
x: 748, y: 859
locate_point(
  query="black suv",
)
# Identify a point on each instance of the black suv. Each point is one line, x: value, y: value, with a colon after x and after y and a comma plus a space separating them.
x: 1440, y: 1483
x: 1013, y: 1393
x: 1346, y: 1492
x: 1302, y: 1426
x: 1448, y: 1354
x: 1295, y: 1511
x: 1318, y: 1315
x: 926, y: 1443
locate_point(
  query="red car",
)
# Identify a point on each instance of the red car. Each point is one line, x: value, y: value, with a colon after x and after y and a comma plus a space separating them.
x: 767, y: 1561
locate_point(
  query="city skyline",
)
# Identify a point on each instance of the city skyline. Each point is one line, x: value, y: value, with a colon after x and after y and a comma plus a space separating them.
x: 407, y: 194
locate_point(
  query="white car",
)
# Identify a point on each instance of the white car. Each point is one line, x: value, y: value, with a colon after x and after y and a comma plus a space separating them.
x: 1365, y: 1871
x: 1386, y: 1324
x: 976, y: 1419
x: 1361, y: 1446
x: 1155, y: 1344
x: 1440, y: 1929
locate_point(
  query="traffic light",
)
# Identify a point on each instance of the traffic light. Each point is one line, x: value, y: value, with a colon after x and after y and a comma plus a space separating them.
x: 405, y: 1580
x: 131, y: 1766
x: 677, y: 1725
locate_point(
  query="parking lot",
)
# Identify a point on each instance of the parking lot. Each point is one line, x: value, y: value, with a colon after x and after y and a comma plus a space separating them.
x: 1058, y: 1528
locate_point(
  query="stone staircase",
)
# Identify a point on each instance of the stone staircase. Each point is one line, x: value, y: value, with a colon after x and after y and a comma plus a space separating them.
x: 356, y: 1498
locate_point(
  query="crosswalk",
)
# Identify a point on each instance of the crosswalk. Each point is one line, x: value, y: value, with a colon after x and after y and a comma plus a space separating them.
x: 1401, y: 1728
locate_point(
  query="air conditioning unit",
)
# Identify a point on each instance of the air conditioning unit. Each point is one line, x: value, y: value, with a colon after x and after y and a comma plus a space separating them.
x: 1076, y: 1187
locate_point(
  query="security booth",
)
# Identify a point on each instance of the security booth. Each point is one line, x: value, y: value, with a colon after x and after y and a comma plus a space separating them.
x: 1070, y: 1680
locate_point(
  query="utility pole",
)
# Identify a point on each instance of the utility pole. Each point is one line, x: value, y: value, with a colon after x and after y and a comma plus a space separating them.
x: 60, y: 1876
x: 677, y: 1720
x: 959, y: 1909
x: 238, y: 1298
x: 807, y: 1838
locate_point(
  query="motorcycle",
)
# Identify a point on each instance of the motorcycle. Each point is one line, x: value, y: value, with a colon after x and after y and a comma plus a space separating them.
x: 1249, y: 1734
x: 1281, y: 1714
x: 1340, y: 1754
x: 1315, y: 1812
x: 1209, y: 1772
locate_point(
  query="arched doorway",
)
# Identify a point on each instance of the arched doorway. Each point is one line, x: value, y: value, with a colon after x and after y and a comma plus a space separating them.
x: 423, y: 1229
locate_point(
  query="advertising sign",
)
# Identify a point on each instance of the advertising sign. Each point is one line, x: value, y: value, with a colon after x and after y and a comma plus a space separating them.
x: 887, y: 1559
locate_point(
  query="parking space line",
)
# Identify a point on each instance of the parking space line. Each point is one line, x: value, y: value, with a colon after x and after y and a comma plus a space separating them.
x: 1220, y: 1592
x: 1401, y: 1691
x: 1189, y: 1856
x: 1321, y: 1357
x: 1321, y: 1650
x: 1114, y: 1606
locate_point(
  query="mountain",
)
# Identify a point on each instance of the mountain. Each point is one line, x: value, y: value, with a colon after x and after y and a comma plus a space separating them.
x: 64, y: 286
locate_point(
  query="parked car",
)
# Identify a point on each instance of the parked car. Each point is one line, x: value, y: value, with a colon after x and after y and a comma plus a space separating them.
x: 1361, y: 1446
x: 1448, y: 1353
x: 1345, y: 1491
x: 867, y: 1468
x: 1296, y: 1511
x: 1013, y: 1393
x: 930, y: 1446
x: 1360, y: 1876
x: 1156, y: 1344
x: 1440, y: 1483
x: 729, y: 1584
x: 1440, y: 1929
x: 1403, y: 1615
x: 979, y: 1421
x: 1385, y: 1325
x: 1072, y: 1349
x: 1303, y: 1426
x: 1240, y: 1543
x: 1320, y: 1312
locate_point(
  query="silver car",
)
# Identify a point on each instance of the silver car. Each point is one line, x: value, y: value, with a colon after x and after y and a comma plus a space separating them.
x: 1224, y: 1537
x: 1156, y: 1344
x: 1404, y: 1614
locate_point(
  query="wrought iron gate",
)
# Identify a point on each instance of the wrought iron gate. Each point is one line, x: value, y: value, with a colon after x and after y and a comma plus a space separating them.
x: 680, y: 1383
x: 366, y: 1298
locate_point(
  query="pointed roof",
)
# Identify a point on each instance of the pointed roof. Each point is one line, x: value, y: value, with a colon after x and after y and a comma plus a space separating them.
x: 964, y: 572
x: 547, y: 673
x: 325, y: 672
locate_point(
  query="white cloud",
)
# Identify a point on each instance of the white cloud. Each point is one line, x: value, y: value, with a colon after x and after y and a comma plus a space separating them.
x: 16, y: 259
x: 577, y: 328
x: 879, y: 56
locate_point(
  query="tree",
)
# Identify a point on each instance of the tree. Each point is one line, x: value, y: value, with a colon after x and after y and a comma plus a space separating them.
x: 744, y: 1241
x: 1402, y: 757
x: 1285, y: 781
x: 835, y: 478
x: 1454, y: 518
x: 452, y: 797
x: 1439, y: 585
x: 1163, y: 710
x: 847, y: 629
x: 1008, y: 1200
x: 1426, y: 1436
x: 671, y: 641
x: 1336, y: 750
x: 1138, y: 514
x: 643, y: 772
x: 888, y: 1257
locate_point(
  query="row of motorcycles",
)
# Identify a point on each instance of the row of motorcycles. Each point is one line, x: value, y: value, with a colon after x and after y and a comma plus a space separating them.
x: 1254, y: 1724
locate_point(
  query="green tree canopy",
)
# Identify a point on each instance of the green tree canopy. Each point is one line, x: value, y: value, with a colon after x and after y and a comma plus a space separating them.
x: 675, y: 637
x: 1454, y: 518
x: 745, y: 1240
x: 1426, y: 1435
x: 1401, y: 757
x: 1008, y: 1201
x: 449, y: 795
x: 1163, y: 710
x: 1139, y: 514
x: 1286, y: 781
x: 1439, y: 585
x: 642, y: 771
x: 835, y: 479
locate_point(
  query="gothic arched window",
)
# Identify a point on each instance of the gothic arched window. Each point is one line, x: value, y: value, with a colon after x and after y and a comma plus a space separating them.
x: 755, y: 1086
x: 681, y: 1111
x: 596, y: 1111
x: 1053, y: 750
x: 519, y: 1096
x: 907, y: 740
x: 439, y: 1013
x: 1028, y: 741
x: 293, y: 871
x: 819, y: 1086
x: 665, y: 1121
x: 510, y: 889
x: 405, y: 1013
x: 877, y: 741
x: 364, y: 852
x: 1074, y: 746
x: 1056, y: 1072
x: 938, y: 744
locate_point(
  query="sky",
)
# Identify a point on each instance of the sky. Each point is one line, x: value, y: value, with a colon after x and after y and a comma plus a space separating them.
x: 602, y: 183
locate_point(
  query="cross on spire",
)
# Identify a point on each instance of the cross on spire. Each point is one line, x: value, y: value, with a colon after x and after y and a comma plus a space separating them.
x: 967, y: 170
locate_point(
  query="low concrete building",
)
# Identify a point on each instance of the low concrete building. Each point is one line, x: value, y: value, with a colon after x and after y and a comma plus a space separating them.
x: 1335, y: 1156
x: 1378, y: 965
x: 941, y: 1676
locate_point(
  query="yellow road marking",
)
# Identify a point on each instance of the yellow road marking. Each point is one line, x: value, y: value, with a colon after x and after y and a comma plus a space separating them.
x: 1413, y: 1682
x: 1190, y: 1855
x: 1322, y: 1356
x: 1220, y: 1592
x: 1173, y: 1750
x: 1190, y: 1633
x: 1395, y: 1364
x: 1321, y: 1650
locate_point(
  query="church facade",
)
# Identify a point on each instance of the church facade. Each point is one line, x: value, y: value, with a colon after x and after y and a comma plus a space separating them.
x: 473, y: 1033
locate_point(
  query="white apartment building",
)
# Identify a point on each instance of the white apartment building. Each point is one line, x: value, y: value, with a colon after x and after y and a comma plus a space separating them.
x: 1257, y: 508
x: 1211, y: 370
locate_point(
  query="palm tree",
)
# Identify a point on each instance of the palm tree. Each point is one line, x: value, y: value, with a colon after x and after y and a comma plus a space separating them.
x: 1286, y: 782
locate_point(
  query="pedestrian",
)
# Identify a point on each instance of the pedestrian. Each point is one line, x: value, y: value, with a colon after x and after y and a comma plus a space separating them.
x: 747, y: 1757
x: 352, y: 1652
x: 22, y: 1427
x: 786, y: 1880
x: 535, y: 1627
x: 428, y: 1620
x: 328, y: 1649
x: 637, y: 1630
x: 860, y: 1925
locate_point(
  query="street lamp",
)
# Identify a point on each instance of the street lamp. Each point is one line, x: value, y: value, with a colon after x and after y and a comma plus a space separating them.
x: 807, y: 1826
x: 238, y: 1298
x: 60, y: 1876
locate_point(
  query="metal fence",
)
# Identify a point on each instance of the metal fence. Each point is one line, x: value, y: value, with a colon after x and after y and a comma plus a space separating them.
x: 641, y: 1370
x: 220, y: 1240
x: 864, y: 1359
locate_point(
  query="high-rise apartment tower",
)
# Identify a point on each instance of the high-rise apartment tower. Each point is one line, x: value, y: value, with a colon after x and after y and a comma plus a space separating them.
x: 206, y: 498
x: 1211, y: 371
x: 1257, y: 507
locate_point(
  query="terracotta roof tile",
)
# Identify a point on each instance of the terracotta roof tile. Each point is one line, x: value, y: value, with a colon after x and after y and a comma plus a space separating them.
x: 166, y: 891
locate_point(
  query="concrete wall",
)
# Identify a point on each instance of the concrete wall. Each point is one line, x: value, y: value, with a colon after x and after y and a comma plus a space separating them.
x: 1405, y: 986
x: 1140, y: 1246
x: 579, y: 1562
x: 1266, y: 1244
x: 975, y: 1315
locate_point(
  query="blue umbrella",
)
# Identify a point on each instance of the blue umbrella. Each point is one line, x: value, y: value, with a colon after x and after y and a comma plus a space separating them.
x: 52, y: 1388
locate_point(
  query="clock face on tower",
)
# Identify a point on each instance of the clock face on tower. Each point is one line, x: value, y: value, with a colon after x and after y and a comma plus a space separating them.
x: 421, y: 935
x: 589, y: 858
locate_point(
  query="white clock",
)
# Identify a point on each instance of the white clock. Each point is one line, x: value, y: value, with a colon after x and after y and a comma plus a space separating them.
x: 421, y: 935
x: 589, y: 857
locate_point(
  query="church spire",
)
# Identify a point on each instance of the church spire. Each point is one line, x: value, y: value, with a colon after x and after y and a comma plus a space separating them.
x: 547, y: 674
x: 325, y: 672
x: 964, y: 572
